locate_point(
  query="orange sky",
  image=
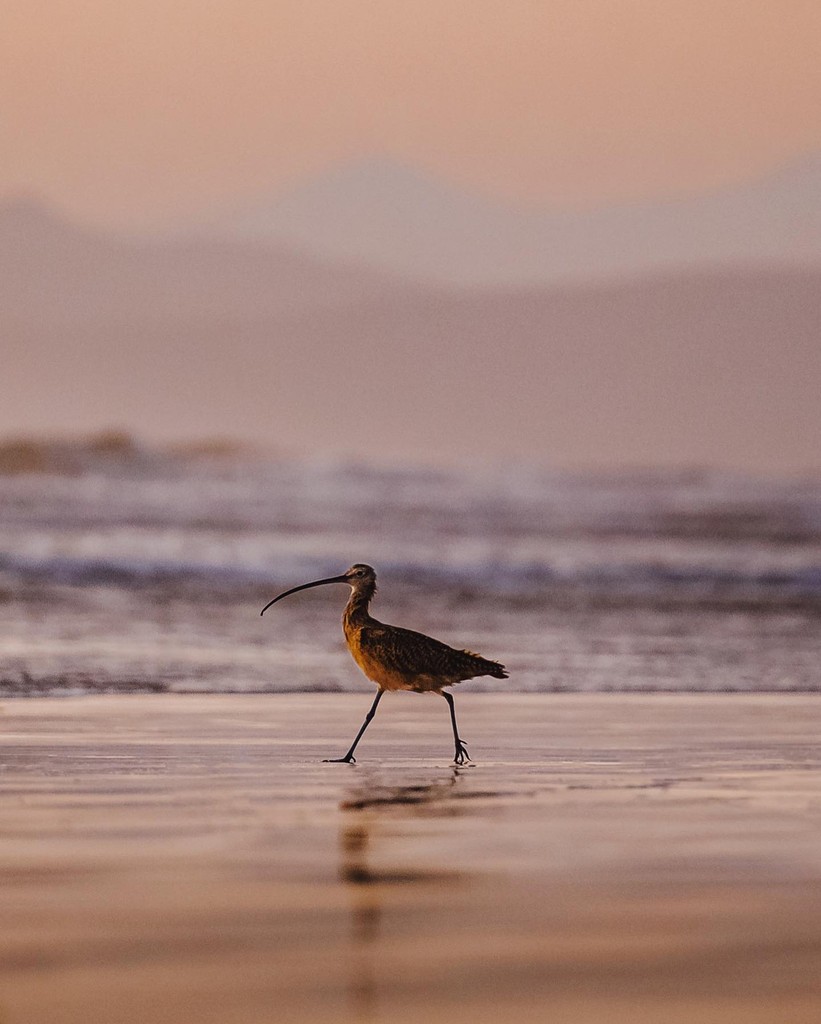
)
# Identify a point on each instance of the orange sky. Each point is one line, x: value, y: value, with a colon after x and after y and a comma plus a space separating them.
x: 132, y: 112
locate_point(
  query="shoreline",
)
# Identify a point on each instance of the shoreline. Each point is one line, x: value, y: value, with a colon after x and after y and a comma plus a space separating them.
x: 609, y: 857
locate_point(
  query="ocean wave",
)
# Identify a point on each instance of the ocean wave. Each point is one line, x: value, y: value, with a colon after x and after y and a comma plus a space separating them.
x: 127, y: 570
x: 493, y: 579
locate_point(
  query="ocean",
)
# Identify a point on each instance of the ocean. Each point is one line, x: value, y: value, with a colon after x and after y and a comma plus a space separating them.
x: 129, y: 570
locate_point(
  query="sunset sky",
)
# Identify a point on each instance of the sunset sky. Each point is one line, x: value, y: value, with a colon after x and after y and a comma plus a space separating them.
x: 130, y: 113
x: 167, y: 113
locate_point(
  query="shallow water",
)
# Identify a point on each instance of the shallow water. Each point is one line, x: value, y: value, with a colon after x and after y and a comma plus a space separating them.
x: 148, y: 573
x: 607, y: 858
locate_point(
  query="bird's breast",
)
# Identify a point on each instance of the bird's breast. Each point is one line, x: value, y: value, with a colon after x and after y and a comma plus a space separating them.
x: 383, y: 674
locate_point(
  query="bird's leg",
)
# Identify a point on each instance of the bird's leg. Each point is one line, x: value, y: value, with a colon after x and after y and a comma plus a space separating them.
x: 461, y: 756
x: 349, y: 758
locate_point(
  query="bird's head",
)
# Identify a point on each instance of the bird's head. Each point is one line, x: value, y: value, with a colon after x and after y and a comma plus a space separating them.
x: 360, y: 578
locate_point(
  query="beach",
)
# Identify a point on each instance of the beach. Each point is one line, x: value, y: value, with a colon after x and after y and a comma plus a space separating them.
x: 514, y: 310
x: 608, y: 857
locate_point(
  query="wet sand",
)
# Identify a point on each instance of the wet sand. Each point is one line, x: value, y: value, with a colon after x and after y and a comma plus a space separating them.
x: 608, y: 858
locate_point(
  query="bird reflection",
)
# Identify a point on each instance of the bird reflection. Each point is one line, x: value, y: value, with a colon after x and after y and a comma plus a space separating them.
x: 364, y: 812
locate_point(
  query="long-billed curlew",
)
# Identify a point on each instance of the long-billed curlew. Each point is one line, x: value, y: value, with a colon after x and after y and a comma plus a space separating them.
x: 396, y: 658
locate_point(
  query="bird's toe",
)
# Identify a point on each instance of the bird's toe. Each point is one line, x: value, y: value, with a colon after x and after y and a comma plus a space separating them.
x: 461, y: 756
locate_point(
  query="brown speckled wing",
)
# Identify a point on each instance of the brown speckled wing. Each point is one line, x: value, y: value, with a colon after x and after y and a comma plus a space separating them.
x: 412, y: 654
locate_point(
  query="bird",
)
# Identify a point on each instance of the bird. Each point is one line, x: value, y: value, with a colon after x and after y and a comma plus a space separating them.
x: 395, y: 658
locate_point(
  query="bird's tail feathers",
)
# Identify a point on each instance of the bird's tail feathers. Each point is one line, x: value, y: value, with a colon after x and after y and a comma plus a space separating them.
x: 487, y: 668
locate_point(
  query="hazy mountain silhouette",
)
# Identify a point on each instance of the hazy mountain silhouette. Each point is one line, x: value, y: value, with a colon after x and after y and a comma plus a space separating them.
x: 51, y: 266
x: 398, y: 219
x: 203, y: 338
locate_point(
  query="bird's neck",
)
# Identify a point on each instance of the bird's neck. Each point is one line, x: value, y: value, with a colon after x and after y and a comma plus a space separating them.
x: 356, y: 610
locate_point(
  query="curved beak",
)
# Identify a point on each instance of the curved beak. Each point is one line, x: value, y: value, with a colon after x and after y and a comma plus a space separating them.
x: 305, y: 586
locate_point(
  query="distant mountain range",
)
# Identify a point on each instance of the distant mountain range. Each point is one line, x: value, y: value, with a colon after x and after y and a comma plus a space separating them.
x: 49, y: 265
x: 204, y: 338
x: 400, y: 221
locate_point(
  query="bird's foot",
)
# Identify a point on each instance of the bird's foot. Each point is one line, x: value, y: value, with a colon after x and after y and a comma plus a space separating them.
x: 461, y: 756
x: 347, y: 759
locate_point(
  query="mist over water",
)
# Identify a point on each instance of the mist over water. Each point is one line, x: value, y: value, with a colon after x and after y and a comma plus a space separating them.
x: 127, y: 570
